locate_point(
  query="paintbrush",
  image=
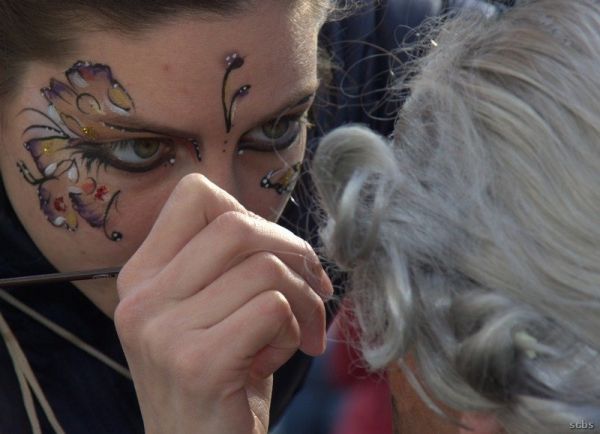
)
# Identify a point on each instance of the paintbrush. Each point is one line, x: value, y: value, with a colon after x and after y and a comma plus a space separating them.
x: 38, y: 279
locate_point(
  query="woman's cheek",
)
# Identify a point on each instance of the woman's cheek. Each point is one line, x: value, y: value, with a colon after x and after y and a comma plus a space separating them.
x: 139, y: 204
x: 272, y: 181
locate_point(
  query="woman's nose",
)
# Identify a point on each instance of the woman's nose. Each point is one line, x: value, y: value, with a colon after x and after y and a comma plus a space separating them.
x: 218, y: 166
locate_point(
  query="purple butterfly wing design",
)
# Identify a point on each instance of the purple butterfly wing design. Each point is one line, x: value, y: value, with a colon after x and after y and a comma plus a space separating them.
x: 77, y: 111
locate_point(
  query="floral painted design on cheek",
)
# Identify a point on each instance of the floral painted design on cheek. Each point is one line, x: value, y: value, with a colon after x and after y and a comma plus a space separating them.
x: 64, y: 148
x: 233, y: 62
x: 283, y: 180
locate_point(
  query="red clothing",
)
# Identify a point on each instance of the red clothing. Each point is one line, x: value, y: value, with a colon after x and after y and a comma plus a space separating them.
x: 366, y: 409
x: 366, y: 406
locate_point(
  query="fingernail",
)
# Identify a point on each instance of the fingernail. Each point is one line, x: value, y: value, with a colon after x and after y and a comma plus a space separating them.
x: 326, y: 286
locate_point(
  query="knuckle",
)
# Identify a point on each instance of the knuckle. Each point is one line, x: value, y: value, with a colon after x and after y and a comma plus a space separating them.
x: 234, y: 223
x: 308, y: 253
x: 271, y: 267
x: 277, y: 306
x: 128, y: 316
x: 319, y: 313
x: 190, y: 183
x: 126, y: 280
x: 188, y: 364
x: 191, y: 187
x: 159, y: 343
x: 306, y: 247
x: 279, y: 309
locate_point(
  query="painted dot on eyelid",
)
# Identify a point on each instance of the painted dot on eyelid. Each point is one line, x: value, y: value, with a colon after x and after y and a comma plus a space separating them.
x: 244, y: 90
x: 196, y: 146
x: 240, y: 152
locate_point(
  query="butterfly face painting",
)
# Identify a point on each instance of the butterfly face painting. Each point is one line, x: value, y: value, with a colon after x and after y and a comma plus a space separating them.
x: 81, y: 133
x: 283, y: 180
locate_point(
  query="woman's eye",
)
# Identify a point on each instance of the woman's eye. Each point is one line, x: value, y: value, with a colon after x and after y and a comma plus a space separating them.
x: 136, y: 151
x: 275, y: 135
x: 133, y: 155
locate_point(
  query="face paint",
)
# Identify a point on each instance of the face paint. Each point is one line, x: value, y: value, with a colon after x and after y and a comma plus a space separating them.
x: 233, y: 62
x: 82, y: 198
x: 283, y: 180
x: 88, y: 107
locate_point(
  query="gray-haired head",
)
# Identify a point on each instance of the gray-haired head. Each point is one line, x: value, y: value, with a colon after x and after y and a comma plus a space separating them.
x: 473, y: 239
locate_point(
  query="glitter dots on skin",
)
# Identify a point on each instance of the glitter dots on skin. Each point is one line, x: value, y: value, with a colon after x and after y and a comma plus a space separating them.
x: 89, y: 132
x: 283, y: 180
x: 76, y: 109
x: 196, y: 147
x: 88, y: 127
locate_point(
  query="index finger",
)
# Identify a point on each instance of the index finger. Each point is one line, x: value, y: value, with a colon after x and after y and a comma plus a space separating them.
x: 192, y: 205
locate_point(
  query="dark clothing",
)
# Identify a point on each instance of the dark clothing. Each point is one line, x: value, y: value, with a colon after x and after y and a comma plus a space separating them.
x: 86, y: 395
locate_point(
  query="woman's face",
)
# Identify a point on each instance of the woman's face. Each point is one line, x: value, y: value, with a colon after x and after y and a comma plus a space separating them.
x: 91, y: 149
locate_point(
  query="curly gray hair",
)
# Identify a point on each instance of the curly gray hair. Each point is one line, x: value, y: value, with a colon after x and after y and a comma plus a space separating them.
x: 473, y: 239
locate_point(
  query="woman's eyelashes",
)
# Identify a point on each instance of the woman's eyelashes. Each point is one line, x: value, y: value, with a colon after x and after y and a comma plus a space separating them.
x: 145, y: 154
x: 131, y: 155
x: 275, y: 135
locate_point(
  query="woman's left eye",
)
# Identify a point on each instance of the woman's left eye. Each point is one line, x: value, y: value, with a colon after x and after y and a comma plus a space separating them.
x: 136, y: 151
x: 275, y: 135
x: 133, y: 155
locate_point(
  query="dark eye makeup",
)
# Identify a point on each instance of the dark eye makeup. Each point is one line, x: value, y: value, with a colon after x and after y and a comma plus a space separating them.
x: 132, y: 155
x: 145, y: 154
x: 276, y: 135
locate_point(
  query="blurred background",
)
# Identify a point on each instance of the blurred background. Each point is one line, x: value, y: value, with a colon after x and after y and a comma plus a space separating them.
x: 340, y: 396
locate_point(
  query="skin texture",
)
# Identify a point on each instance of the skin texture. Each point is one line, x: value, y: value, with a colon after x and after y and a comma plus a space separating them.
x: 412, y: 415
x: 180, y: 90
x: 213, y: 296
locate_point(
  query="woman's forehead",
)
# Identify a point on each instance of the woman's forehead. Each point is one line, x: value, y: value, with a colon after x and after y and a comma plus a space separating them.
x: 178, y: 68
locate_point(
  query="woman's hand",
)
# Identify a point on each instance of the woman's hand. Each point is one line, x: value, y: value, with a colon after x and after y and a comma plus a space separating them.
x: 212, y: 303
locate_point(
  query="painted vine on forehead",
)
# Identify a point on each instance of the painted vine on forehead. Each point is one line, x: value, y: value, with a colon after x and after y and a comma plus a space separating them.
x: 64, y: 148
x: 233, y: 62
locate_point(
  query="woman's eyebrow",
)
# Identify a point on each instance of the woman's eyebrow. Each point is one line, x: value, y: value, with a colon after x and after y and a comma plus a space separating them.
x: 295, y: 101
x: 133, y: 125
